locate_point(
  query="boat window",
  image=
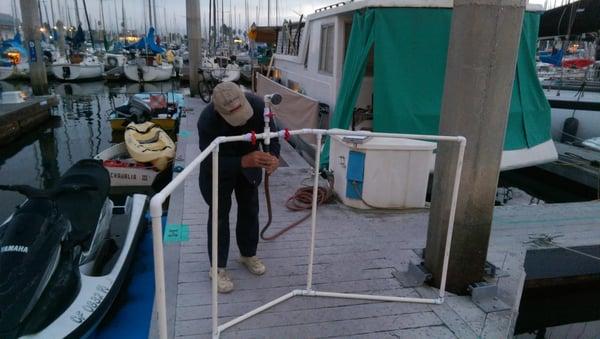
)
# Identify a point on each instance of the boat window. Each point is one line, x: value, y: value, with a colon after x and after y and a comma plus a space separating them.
x: 326, y: 52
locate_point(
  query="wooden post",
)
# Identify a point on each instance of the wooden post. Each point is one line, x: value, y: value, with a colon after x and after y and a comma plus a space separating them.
x: 32, y: 36
x: 480, y: 72
x: 192, y: 8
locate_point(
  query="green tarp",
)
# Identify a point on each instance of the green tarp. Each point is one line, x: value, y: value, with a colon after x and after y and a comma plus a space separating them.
x: 410, y: 48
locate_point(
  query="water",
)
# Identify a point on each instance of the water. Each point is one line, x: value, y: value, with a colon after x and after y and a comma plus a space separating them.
x: 79, y: 129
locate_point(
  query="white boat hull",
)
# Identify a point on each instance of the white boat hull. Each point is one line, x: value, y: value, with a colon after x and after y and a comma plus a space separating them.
x: 126, y: 176
x: 19, y: 71
x: 77, y: 71
x: 149, y: 73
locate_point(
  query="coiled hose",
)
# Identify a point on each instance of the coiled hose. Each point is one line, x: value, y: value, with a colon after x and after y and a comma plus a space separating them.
x: 300, y: 201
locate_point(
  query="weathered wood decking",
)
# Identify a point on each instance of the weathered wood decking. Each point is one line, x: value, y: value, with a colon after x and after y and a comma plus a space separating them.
x: 355, y: 252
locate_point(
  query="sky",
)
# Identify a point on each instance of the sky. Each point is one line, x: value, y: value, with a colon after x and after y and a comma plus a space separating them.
x: 171, y: 13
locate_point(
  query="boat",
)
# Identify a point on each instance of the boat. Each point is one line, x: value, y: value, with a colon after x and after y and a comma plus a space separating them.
x: 14, y: 60
x: 402, y: 94
x: 147, y: 70
x: 163, y: 109
x: 223, y: 69
x: 114, y: 63
x: 148, y: 143
x: 64, y: 255
x: 150, y: 65
x: 78, y: 67
x: 123, y: 170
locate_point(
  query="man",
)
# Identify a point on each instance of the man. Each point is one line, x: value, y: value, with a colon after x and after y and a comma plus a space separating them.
x: 240, y: 170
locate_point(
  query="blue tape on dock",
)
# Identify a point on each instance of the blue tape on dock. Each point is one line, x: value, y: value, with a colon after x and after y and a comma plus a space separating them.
x: 176, y: 233
x: 183, y: 134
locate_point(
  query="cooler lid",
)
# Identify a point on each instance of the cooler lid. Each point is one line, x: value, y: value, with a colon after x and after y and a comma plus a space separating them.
x: 380, y: 143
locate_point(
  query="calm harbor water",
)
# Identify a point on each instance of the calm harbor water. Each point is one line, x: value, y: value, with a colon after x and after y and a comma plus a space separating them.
x: 80, y: 129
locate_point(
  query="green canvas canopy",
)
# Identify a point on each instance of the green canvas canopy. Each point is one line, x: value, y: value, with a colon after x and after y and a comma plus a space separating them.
x: 410, y: 47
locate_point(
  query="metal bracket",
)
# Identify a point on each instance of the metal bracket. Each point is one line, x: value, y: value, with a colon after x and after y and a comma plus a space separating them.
x: 485, y: 296
x: 494, y: 271
x: 416, y: 275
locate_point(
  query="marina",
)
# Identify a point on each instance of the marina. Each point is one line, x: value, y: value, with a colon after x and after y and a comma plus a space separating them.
x: 425, y: 174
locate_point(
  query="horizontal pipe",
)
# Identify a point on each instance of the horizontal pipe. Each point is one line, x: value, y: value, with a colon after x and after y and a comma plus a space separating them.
x: 255, y: 311
x: 312, y: 293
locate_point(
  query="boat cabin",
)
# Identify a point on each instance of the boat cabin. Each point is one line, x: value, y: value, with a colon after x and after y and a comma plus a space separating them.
x: 380, y: 65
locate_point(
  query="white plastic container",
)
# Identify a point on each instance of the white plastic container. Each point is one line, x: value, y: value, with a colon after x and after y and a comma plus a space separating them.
x: 12, y: 97
x: 394, y: 174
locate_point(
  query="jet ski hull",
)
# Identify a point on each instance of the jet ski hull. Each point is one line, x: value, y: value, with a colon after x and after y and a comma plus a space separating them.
x: 101, y: 282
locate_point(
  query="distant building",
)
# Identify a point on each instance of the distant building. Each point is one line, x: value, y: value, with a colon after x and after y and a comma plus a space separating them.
x: 7, y: 30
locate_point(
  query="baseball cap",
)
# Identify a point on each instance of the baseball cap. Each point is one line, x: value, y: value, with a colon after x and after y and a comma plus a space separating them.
x: 231, y: 103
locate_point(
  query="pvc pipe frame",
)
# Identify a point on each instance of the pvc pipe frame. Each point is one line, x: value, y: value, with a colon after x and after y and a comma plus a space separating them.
x: 160, y: 197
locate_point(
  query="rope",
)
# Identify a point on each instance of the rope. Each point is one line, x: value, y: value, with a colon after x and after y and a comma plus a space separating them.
x: 300, y: 201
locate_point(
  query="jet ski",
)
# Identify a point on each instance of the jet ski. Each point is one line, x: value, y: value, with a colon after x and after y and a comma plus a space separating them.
x: 64, y: 254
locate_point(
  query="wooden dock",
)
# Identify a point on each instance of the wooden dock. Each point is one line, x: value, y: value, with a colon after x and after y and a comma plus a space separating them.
x: 17, y: 119
x: 356, y: 251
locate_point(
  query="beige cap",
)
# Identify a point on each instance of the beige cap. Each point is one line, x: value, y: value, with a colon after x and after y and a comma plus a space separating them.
x: 231, y: 103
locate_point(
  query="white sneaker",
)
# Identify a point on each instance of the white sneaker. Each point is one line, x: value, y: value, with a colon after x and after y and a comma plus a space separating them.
x: 224, y: 283
x: 253, y: 264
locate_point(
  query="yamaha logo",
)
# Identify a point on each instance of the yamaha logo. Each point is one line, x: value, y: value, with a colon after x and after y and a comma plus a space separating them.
x: 14, y: 248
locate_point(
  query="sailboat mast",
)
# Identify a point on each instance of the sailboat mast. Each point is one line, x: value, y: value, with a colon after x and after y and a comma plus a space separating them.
x: 154, y: 14
x: 40, y: 10
x: 103, y: 23
x: 53, y: 22
x: 87, y: 18
x: 47, y: 17
x: 77, y: 13
x: 13, y: 8
x: 150, y: 13
x: 222, y: 23
x: 165, y: 29
x: 214, y: 2
x: 123, y: 24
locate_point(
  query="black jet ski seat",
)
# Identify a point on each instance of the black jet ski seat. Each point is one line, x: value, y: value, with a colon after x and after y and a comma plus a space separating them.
x: 83, y: 207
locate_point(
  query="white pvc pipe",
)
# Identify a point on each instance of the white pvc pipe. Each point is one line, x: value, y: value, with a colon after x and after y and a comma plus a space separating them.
x: 312, y: 293
x: 215, y: 241
x: 313, y: 215
x: 459, y: 163
x: 256, y: 311
x: 160, y: 302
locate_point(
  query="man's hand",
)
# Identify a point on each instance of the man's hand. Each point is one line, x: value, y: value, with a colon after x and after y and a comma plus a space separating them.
x: 273, y: 166
x: 260, y: 159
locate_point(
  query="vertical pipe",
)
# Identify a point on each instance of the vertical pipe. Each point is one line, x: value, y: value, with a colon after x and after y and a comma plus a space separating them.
x: 159, y: 268
x: 313, y: 214
x: 215, y: 240
x: 455, y: 186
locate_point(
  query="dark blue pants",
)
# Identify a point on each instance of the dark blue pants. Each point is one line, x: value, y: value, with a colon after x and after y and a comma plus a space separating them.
x: 246, y: 230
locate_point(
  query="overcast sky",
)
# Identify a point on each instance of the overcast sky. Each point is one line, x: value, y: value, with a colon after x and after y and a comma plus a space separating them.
x: 172, y: 12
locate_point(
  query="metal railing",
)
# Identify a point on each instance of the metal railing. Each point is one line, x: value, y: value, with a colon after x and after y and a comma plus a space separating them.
x: 159, y: 198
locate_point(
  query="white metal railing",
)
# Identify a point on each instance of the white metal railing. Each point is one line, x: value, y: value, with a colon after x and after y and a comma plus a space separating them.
x: 159, y: 198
